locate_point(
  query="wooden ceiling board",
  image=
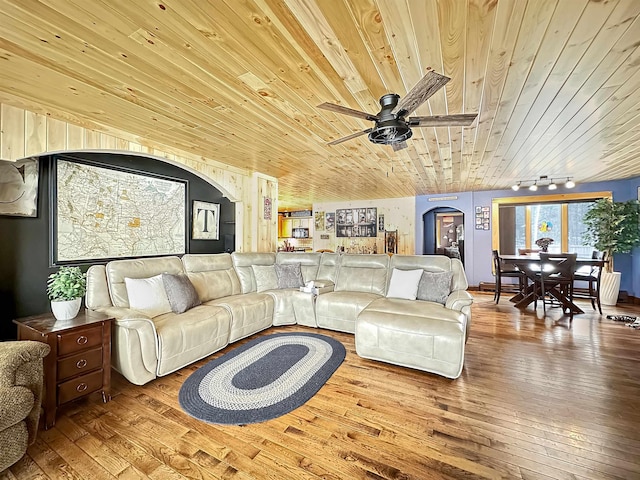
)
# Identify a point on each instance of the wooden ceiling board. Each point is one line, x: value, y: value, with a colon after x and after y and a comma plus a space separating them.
x: 555, y: 84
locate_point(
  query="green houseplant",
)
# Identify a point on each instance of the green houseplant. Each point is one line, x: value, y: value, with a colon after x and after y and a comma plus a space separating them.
x: 612, y: 227
x: 65, y: 289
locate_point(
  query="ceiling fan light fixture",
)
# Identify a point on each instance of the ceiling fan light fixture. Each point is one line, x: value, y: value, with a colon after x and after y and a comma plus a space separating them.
x: 389, y: 134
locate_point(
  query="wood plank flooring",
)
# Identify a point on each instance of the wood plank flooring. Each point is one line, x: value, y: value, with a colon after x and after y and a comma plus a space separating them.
x: 536, y: 400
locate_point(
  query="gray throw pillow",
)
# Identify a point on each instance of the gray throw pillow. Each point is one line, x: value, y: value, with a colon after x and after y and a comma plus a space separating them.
x: 435, y: 286
x: 289, y: 275
x: 181, y: 293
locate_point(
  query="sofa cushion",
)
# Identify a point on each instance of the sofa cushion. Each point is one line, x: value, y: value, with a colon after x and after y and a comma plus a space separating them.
x: 147, y: 295
x: 212, y: 275
x: 435, y: 286
x: 181, y: 293
x: 266, y: 277
x: 289, y: 276
x: 404, y: 283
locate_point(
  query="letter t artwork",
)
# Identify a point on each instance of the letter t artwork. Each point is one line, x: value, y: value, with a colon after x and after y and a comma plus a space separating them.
x: 206, y: 221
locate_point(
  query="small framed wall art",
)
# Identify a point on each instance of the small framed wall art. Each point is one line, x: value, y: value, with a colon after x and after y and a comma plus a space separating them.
x: 206, y: 221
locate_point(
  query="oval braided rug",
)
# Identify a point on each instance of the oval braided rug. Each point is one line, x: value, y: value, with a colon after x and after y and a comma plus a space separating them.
x: 262, y: 379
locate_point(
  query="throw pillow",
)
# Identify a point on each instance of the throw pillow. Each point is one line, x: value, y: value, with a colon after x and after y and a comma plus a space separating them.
x: 147, y: 295
x: 266, y: 278
x: 404, y: 284
x: 289, y: 275
x: 435, y: 286
x: 180, y: 291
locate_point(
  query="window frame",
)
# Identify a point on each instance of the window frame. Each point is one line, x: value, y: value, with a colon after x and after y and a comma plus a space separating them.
x: 526, y: 200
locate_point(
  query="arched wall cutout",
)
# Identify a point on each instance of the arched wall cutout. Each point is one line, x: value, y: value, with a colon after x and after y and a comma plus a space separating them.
x: 175, y: 163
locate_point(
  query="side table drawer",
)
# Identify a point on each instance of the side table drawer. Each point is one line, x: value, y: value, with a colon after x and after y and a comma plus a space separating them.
x: 77, y: 340
x: 79, y: 363
x: 80, y: 386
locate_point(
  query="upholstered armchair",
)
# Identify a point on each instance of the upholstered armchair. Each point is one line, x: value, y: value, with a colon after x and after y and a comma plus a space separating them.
x: 21, y: 379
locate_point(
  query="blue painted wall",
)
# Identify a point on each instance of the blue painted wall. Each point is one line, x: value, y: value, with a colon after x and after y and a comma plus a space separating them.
x: 478, y: 242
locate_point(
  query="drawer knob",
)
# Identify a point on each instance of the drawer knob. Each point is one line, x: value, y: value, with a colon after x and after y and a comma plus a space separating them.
x: 81, y: 387
x: 81, y: 363
x: 81, y: 340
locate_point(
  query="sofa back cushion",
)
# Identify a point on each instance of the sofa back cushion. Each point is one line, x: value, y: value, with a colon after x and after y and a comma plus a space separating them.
x: 433, y: 263
x: 328, y: 269
x: 363, y: 273
x: 309, y: 263
x: 242, y: 262
x: 212, y: 275
x: 97, y: 288
x: 117, y: 270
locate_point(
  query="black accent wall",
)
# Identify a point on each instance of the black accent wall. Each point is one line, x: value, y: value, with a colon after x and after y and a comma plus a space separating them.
x: 24, y: 242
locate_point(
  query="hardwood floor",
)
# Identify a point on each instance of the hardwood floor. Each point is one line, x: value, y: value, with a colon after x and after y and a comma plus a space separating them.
x: 536, y: 400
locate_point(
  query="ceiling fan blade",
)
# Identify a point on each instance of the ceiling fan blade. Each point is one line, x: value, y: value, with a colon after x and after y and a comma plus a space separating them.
x: 332, y: 107
x: 399, y: 146
x: 349, y: 137
x: 421, y: 91
x: 459, y: 120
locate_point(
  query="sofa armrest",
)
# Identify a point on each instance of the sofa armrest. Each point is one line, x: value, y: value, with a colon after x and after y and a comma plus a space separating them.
x: 141, y: 331
x: 16, y: 404
x: 458, y: 299
x: 324, y: 286
x: 15, y: 355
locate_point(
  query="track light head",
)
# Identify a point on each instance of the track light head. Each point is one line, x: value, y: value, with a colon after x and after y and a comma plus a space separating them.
x: 515, y: 187
x: 552, y: 186
x: 569, y: 183
x: 534, y: 187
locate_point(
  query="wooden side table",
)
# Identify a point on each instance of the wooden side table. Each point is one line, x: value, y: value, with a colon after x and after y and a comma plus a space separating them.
x: 80, y: 359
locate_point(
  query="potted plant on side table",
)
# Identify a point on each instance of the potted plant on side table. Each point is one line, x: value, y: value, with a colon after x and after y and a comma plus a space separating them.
x: 612, y: 227
x: 65, y: 289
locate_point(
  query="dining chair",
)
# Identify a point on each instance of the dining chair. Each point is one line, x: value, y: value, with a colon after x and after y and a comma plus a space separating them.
x: 592, y: 276
x: 501, y: 270
x: 556, y: 280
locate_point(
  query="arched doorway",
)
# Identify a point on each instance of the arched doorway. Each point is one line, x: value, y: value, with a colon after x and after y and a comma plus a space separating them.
x: 443, y: 232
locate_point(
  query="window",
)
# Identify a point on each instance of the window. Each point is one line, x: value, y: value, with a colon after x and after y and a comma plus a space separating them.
x: 519, y: 221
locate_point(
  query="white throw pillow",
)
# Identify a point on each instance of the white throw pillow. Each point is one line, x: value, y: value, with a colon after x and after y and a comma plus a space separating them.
x: 266, y: 278
x: 404, y: 284
x: 148, y: 295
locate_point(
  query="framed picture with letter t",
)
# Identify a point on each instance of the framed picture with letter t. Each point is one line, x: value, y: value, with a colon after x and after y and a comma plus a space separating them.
x: 206, y: 221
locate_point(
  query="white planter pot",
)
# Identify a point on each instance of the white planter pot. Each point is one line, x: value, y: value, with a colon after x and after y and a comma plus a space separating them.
x: 66, y: 309
x: 609, y: 288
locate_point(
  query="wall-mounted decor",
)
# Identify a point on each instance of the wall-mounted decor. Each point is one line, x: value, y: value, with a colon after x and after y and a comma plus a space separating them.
x: 380, y: 223
x: 319, y: 221
x: 100, y: 213
x: 206, y: 221
x: 391, y: 241
x: 19, y: 188
x: 325, y: 236
x: 483, y: 216
x: 356, y: 222
x: 330, y: 221
x: 267, y: 208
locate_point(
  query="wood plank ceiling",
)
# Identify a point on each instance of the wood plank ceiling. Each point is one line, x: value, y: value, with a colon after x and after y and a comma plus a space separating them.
x: 555, y: 83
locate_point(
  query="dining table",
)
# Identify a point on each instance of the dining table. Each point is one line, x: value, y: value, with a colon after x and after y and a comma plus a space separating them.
x: 531, y: 265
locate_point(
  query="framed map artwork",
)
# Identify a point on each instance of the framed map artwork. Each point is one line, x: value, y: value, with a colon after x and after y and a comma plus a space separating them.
x: 19, y: 188
x: 102, y: 213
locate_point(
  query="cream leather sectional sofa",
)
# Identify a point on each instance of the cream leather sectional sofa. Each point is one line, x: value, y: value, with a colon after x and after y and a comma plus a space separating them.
x: 419, y: 334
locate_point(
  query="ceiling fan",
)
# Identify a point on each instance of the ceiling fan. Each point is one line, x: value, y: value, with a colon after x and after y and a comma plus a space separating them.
x: 392, y: 127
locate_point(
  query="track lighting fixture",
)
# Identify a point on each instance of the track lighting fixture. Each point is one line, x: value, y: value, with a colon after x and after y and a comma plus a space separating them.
x: 543, y: 181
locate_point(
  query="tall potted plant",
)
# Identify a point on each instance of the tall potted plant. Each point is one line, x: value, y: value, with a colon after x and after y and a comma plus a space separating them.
x: 612, y: 227
x: 65, y: 289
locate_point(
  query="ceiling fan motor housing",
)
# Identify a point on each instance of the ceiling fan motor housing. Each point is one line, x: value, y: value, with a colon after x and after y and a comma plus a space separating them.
x: 390, y: 128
